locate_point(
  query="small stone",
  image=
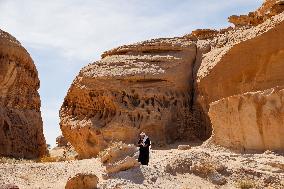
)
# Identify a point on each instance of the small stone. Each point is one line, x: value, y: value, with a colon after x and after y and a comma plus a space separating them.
x: 218, y: 179
x: 184, y: 147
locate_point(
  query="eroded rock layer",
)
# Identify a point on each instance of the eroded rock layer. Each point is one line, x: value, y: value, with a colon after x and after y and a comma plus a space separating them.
x: 141, y: 87
x: 251, y: 121
x: 21, y: 132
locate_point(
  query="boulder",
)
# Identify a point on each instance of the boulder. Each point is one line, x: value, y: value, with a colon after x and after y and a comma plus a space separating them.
x: 116, y: 152
x: 21, y: 130
x: 184, y: 147
x: 122, y: 165
x: 250, y: 121
x: 61, y: 141
x: 82, y: 181
x: 119, y: 157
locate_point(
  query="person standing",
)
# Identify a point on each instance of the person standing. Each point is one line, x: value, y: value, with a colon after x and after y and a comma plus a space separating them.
x: 144, y: 144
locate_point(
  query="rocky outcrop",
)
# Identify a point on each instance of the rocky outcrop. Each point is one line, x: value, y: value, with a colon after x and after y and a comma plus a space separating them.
x: 82, y: 181
x: 142, y: 87
x: 251, y: 121
x: 122, y: 165
x: 61, y: 141
x: 242, y: 60
x: 266, y: 11
x: 250, y: 60
x: 119, y: 157
x: 21, y: 132
x: 117, y: 152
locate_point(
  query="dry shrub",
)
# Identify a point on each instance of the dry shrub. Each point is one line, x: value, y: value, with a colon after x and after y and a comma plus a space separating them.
x: 203, y: 167
x: 48, y: 159
x: 246, y: 184
x: 11, y: 160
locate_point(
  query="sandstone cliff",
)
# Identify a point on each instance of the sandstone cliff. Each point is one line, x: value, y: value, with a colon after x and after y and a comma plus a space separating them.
x: 243, y: 59
x: 134, y: 88
x: 164, y: 87
x: 251, y: 121
x: 21, y: 132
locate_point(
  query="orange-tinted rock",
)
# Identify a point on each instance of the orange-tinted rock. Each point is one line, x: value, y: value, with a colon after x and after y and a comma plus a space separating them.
x: 251, y: 121
x: 82, y: 181
x: 267, y: 10
x: 142, y: 87
x: 21, y: 132
x: 250, y: 59
x: 61, y: 141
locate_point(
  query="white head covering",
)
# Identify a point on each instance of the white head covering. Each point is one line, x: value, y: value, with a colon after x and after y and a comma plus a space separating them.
x: 145, y: 137
x: 142, y: 134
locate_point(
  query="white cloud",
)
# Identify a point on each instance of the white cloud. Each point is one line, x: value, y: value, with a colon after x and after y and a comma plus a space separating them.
x: 83, y: 29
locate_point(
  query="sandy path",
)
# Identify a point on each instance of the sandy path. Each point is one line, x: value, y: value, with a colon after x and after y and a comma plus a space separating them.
x: 239, y: 166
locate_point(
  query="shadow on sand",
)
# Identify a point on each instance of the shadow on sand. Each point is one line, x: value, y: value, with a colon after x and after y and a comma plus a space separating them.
x: 175, y: 145
x: 134, y: 175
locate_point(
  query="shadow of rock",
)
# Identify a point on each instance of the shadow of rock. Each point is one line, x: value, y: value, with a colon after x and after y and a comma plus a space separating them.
x: 134, y: 175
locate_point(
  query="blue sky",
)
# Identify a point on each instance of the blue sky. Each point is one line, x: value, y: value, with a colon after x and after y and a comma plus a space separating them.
x: 62, y: 36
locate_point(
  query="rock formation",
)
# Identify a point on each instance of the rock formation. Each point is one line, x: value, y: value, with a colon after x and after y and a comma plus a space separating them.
x: 119, y: 157
x: 267, y: 10
x: 164, y: 87
x: 141, y: 87
x: 251, y: 121
x: 244, y: 59
x: 61, y: 141
x: 21, y: 132
x: 82, y: 181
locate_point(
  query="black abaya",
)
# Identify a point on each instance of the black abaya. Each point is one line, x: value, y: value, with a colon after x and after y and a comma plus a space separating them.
x: 144, y: 151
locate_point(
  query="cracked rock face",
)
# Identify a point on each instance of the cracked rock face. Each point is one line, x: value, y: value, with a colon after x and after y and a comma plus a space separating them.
x: 21, y: 132
x: 141, y: 87
x: 251, y: 121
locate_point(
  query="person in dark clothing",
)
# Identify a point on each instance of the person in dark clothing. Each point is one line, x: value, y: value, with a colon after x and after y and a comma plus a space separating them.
x: 144, y: 144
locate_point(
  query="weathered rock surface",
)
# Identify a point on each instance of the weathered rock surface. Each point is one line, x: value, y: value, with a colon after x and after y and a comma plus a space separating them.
x: 267, y: 10
x: 251, y: 121
x: 61, y: 141
x: 82, y: 181
x: 142, y: 87
x: 119, y: 157
x: 122, y: 165
x: 116, y: 152
x: 21, y: 132
x: 238, y: 61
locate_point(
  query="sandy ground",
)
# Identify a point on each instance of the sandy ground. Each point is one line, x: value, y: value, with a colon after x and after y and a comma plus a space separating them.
x: 265, y: 170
